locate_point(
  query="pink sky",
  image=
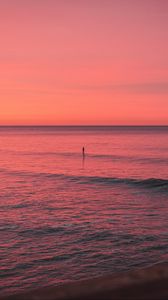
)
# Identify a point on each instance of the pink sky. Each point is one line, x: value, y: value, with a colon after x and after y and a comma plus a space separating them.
x: 84, y: 62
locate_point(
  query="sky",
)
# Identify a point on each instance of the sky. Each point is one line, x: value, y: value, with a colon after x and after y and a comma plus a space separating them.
x: 84, y: 62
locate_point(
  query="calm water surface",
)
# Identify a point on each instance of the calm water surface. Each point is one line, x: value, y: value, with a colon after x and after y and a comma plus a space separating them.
x: 64, y: 217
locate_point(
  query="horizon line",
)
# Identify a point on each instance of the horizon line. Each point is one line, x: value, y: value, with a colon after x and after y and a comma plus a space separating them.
x: 82, y: 125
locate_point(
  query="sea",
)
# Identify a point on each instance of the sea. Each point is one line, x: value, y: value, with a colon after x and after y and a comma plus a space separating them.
x: 66, y: 215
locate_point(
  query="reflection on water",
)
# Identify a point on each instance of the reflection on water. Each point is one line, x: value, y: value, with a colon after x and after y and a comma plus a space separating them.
x: 68, y: 215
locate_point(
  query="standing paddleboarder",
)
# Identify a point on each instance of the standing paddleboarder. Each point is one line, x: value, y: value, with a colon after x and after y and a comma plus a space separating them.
x: 83, y: 152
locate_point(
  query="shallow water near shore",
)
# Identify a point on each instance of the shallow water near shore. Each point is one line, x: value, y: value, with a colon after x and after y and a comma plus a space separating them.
x: 66, y: 217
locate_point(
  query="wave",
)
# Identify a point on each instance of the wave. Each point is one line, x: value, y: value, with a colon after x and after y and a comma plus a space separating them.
x: 153, y: 182
x: 146, y: 183
x: 159, y: 184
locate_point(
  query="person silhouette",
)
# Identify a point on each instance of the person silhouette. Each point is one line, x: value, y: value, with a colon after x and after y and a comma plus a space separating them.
x: 83, y: 151
x: 83, y: 157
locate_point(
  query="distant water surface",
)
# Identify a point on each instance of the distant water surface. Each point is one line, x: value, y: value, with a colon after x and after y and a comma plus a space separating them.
x: 65, y: 217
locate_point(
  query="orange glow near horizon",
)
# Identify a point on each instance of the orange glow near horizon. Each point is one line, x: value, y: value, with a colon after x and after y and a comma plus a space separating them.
x: 84, y: 62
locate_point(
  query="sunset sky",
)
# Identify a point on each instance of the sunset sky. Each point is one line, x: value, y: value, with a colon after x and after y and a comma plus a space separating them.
x: 83, y: 62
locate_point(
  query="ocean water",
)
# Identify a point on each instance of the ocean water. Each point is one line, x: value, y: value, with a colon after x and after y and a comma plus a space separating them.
x: 65, y: 217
